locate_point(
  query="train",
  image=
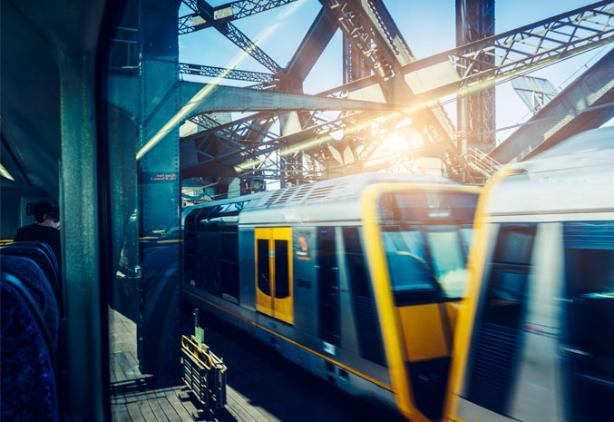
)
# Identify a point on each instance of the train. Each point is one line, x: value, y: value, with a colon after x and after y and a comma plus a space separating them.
x: 534, y: 340
x: 356, y: 279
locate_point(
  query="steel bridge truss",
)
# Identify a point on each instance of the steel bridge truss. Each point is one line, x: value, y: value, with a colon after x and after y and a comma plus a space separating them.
x: 195, y: 21
x: 250, y: 146
x: 263, y: 78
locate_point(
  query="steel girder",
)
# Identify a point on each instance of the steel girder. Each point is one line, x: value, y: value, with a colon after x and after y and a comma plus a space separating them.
x: 517, y: 51
x: 475, y: 20
x: 225, y: 13
x: 372, y: 31
x: 223, y: 73
x: 232, y: 98
x: 311, y: 47
x: 299, y: 66
x: 584, y: 104
x: 220, y: 19
x: 234, y: 34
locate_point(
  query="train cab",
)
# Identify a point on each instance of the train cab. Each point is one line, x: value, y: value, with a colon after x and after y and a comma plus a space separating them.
x: 534, y: 341
x: 367, y: 300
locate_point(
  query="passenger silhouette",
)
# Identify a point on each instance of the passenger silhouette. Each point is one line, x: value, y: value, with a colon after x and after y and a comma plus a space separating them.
x: 46, y: 229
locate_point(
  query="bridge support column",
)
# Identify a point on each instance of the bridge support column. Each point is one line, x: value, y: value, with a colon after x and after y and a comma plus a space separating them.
x: 475, y: 19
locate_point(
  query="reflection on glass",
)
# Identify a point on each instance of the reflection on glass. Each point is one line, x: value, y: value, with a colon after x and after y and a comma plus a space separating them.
x: 448, y: 261
x: 427, y: 259
x: 466, y: 234
x: 589, y: 253
x: 407, y: 263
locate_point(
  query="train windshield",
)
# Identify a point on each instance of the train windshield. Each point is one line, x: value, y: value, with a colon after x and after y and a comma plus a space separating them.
x: 426, y: 239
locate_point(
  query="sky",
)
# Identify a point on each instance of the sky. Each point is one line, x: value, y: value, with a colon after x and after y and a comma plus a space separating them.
x: 427, y: 26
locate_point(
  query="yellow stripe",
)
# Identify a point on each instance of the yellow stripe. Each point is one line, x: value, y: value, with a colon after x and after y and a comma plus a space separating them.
x: 389, y: 318
x: 466, y: 315
x: 384, y: 300
x: 289, y: 340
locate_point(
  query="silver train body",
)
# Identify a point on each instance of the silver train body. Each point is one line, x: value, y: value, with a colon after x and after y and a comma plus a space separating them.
x: 325, y: 314
x: 536, y: 342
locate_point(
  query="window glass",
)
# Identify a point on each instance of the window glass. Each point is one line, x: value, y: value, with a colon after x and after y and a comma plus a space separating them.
x: 514, y: 246
x: 356, y: 262
x: 466, y: 235
x: 589, y: 265
x: 363, y: 302
x: 426, y: 260
x: 407, y: 263
x: 228, y: 261
x: 496, y: 339
x: 328, y: 286
x: 264, y: 280
x: 282, y: 284
x: 427, y: 206
x: 448, y: 261
x: 426, y: 237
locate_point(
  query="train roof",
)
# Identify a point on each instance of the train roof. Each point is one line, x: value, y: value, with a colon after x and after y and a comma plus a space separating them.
x: 576, y: 176
x: 331, y: 200
x: 328, y: 200
x: 338, y: 189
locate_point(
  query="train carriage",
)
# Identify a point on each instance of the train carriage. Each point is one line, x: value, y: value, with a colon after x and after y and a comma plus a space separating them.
x: 356, y: 279
x: 535, y: 342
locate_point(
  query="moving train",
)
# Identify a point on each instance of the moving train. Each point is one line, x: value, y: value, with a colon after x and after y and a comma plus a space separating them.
x: 356, y: 279
x: 535, y: 340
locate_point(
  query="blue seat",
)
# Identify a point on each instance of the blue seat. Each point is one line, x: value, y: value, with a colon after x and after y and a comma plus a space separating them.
x: 43, y: 255
x: 40, y: 289
x: 28, y: 382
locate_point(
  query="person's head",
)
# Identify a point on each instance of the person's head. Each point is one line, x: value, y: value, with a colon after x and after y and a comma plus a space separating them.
x: 46, y: 214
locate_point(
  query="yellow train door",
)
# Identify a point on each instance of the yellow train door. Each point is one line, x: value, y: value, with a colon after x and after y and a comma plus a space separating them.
x: 264, y: 277
x: 274, y: 284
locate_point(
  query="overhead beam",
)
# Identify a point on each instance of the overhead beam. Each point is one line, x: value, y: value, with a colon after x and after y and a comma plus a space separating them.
x: 517, y: 51
x: 206, y: 12
x: 458, y: 84
x: 232, y: 98
x: 311, y: 47
x: 428, y: 96
x: 370, y: 28
x: 223, y: 73
x: 463, y: 80
x: 242, y: 41
x: 226, y: 13
x: 584, y: 104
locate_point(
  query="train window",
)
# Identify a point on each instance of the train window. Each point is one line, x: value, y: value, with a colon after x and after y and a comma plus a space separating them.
x: 466, y: 234
x: 425, y: 262
x: 228, y: 262
x: 412, y: 207
x: 328, y: 286
x: 448, y: 260
x: 407, y: 262
x: 365, y: 313
x: 264, y: 278
x: 589, y: 260
x: 282, y: 282
x: 205, y: 266
x: 496, y: 340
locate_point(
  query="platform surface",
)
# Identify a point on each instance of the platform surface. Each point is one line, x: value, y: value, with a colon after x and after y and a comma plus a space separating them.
x: 262, y: 386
